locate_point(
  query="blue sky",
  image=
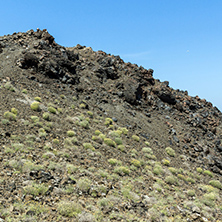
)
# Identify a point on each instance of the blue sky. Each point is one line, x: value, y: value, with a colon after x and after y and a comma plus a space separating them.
x: 180, y: 40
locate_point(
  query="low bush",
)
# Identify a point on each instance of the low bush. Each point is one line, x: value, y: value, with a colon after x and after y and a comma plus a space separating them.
x: 216, y: 183
x: 52, y: 109
x: 10, y: 116
x: 35, y: 106
x: 170, y: 151
x: 135, y: 138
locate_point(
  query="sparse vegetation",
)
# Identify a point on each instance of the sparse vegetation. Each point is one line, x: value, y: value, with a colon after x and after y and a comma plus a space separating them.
x: 97, y: 157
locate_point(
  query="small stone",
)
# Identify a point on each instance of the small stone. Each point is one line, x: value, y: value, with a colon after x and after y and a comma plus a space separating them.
x: 176, y: 139
x: 114, y: 119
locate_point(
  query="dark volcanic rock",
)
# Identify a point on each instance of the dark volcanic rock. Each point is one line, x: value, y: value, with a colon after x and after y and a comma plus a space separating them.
x: 133, y: 91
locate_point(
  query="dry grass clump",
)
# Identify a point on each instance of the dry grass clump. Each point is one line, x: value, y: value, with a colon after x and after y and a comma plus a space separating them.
x: 35, y: 189
x: 69, y: 208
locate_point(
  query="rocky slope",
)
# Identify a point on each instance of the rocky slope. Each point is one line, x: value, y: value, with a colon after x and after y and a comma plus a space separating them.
x: 87, y: 137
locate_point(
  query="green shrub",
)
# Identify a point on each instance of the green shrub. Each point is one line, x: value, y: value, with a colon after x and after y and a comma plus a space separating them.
x: 166, y: 162
x: 55, y: 141
x: 102, y: 136
x: 123, y: 130
x: 136, y: 163
x: 136, y: 138
x: 150, y: 156
x: 207, y: 172
x: 97, y: 139
x: 88, y: 146
x: 118, y: 141
x: 157, y: 169
x: 35, y: 106
x: 172, y: 180
x: 5, y: 121
x: 122, y: 170
x: 209, y: 199
x: 216, y: 183
x: 199, y: 170
x: 191, y: 193
x: 35, y: 119
x: 181, y: 176
x: 104, y: 203
x: 84, y: 185
x: 35, y: 189
x: 24, y: 91
x: 82, y: 106
x: 90, y: 113
x: 114, y: 134
x: 97, y: 132
x: 71, y: 168
x: 190, y: 180
x: 42, y: 132
x: 52, y: 109
x: 109, y: 142
x: 84, y: 124
x: 38, y: 99
x: 114, y: 161
x: 121, y: 148
x: 71, y: 133
x: 10, y: 116
x: 62, y: 96
x: 147, y: 143
x: 46, y: 116
x: 147, y: 150
x: 60, y: 110
x: 170, y: 151
x: 9, y: 86
x: 14, y: 110
x: 173, y: 170
x: 108, y: 121
x: 69, y: 208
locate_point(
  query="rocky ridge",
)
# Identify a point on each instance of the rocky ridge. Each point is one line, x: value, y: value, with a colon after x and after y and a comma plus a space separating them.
x: 103, y: 84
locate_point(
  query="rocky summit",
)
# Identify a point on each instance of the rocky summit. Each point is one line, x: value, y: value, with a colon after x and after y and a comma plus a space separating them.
x: 87, y: 137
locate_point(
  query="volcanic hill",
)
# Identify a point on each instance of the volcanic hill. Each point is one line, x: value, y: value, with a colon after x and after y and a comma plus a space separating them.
x: 87, y: 137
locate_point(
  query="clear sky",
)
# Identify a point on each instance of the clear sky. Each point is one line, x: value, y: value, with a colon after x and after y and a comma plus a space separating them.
x: 180, y: 39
